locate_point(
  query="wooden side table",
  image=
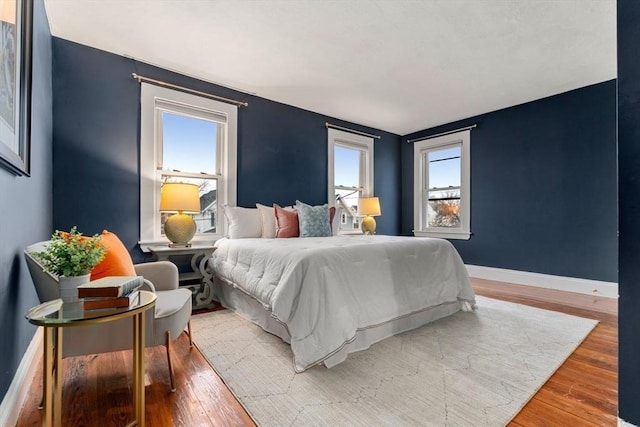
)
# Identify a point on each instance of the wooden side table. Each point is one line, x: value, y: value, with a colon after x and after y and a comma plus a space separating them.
x: 200, y: 255
x: 55, y: 315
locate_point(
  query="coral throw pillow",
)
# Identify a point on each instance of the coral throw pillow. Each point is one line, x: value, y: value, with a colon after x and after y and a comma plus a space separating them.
x: 116, y: 262
x: 286, y: 222
x: 332, y: 215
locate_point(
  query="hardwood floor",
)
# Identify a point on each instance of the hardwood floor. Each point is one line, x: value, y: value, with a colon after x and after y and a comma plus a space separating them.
x: 97, y: 388
x: 584, y: 390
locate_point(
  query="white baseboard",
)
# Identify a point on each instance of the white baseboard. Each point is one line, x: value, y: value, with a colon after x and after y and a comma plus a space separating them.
x: 623, y: 423
x: 561, y: 283
x: 22, y: 381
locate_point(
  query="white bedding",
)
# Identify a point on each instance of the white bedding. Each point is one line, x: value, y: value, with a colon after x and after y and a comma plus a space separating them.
x: 324, y: 289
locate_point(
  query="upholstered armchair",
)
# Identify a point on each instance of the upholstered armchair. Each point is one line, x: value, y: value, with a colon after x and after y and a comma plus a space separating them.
x: 164, y: 324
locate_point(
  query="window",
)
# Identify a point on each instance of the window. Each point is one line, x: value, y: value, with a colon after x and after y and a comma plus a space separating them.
x: 186, y: 138
x: 442, y: 190
x: 350, y: 174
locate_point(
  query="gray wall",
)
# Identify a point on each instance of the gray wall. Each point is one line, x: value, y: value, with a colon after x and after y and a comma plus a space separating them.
x: 25, y: 211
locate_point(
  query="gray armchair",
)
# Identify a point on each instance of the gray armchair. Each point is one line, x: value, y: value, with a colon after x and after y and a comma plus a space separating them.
x: 171, y: 316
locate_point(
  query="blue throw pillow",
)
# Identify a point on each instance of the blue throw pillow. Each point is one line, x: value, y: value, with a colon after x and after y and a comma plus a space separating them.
x: 314, y: 220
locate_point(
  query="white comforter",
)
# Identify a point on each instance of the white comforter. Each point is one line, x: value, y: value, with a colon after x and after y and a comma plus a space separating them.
x: 324, y: 289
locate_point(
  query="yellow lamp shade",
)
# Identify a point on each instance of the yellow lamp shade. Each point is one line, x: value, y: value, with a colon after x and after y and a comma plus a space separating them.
x: 179, y: 197
x: 8, y: 11
x: 369, y: 206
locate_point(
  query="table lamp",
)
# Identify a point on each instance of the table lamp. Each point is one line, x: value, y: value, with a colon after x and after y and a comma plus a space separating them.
x: 181, y: 199
x: 369, y: 207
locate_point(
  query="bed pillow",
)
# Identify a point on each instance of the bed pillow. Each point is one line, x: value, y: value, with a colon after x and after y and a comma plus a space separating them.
x: 286, y: 222
x: 314, y: 220
x: 267, y: 220
x: 243, y: 222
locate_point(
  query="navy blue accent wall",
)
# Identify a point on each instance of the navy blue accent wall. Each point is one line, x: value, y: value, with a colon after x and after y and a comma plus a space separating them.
x: 543, y: 185
x: 96, y: 114
x: 282, y: 150
x: 629, y: 209
x: 25, y: 216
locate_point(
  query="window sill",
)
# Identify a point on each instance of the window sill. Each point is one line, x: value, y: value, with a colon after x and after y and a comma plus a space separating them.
x: 349, y: 232
x: 460, y: 235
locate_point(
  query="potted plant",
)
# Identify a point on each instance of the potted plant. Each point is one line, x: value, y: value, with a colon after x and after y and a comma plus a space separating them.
x: 71, y: 256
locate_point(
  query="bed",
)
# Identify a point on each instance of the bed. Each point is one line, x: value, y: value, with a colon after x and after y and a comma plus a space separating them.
x: 330, y: 296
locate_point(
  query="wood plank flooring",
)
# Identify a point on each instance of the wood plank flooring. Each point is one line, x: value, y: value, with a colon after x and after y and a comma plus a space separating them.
x: 97, y: 388
x: 584, y: 390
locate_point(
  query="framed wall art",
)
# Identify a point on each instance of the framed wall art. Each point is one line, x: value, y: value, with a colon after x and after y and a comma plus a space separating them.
x: 16, y: 33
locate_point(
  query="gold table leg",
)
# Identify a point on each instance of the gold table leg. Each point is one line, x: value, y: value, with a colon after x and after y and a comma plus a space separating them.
x: 138, y: 367
x: 47, y: 416
x: 57, y: 386
x: 52, y: 377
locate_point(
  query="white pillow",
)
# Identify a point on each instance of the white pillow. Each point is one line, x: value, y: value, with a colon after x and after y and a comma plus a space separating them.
x: 243, y: 222
x: 268, y: 221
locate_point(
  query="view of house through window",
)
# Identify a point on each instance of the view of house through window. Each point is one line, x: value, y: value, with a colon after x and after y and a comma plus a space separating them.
x: 189, y: 153
x: 348, y: 164
x: 443, y: 187
x: 350, y: 174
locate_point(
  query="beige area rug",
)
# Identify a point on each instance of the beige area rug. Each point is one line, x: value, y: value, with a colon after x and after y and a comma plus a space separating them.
x: 470, y: 369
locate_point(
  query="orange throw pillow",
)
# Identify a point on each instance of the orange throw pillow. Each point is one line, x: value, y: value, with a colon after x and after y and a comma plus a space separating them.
x: 116, y: 262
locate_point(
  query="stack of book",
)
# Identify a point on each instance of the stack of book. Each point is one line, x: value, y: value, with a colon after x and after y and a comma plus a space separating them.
x: 111, y: 292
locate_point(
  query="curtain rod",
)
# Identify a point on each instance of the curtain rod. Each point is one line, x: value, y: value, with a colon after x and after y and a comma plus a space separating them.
x: 329, y: 125
x: 422, y: 138
x: 140, y: 79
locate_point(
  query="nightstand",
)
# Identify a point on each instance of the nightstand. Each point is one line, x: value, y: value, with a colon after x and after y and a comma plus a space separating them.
x: 202, y: 292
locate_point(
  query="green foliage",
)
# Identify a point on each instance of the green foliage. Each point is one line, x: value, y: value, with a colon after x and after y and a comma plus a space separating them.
x: 71, y: 254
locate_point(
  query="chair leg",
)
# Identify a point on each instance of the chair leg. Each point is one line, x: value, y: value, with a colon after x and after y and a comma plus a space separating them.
x: 189, y: 332
x: 168, y: 345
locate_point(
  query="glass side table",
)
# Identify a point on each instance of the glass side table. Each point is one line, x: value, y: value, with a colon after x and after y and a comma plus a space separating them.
x: 55, y: 315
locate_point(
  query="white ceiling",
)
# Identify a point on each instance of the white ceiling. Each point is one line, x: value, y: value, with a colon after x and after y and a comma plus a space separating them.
x: 399, y: 66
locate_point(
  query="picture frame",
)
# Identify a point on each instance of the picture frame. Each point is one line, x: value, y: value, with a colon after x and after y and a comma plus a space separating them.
x: 16, y: 40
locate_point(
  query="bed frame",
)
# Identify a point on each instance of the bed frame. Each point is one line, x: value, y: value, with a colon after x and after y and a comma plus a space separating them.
x: 233, y: 298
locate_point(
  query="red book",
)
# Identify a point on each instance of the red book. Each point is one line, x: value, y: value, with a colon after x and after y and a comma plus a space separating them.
x: 99, y: 302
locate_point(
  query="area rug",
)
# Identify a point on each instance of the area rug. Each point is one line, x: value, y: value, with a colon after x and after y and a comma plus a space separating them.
x: 469, y: 369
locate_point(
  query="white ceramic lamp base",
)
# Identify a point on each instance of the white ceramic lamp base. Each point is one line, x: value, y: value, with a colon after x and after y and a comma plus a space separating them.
x: 369, y: 225
x: 180, y: 229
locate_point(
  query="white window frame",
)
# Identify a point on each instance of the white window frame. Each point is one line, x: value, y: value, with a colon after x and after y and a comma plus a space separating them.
x: 153, y: 101
x: 354, y: 141
x: 421, y: 177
